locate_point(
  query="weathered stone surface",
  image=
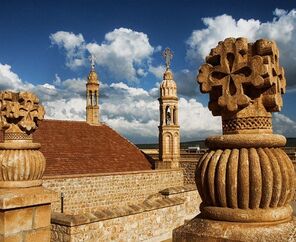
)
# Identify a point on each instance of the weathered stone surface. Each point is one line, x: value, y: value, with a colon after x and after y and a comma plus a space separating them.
x: 246, y: 180
x: 12, y: 238
x: 245, y: 83
x: 140, y: 223
x: 22, y: 164
x: 16, y: 220
x: 81, y: 193
x: 23, y: 197
x: 40, y: 235
x: 200, y: 229
x: 42, y: 216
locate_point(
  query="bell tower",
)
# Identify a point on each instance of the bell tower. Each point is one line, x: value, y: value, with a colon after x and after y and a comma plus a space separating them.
x: 92, y: 95
x: 169, y: 129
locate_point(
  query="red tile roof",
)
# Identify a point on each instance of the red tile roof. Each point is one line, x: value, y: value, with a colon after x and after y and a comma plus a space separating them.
x: 75, y: 147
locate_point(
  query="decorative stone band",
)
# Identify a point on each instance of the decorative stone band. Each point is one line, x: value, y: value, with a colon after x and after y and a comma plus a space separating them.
x: 248, y: 179
x: 11, y: 136
x: 237, y: 141
x: 270, y: 215
x: 248, y: 123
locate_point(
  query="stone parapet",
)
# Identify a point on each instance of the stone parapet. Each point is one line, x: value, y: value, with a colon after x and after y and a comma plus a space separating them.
x: 81, y: 193
x: 111, y: 213
x: 150, y: 220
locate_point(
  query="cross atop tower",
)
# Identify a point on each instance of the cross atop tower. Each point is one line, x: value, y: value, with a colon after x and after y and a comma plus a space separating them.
x: 168, y: 56
x: 92, y: 60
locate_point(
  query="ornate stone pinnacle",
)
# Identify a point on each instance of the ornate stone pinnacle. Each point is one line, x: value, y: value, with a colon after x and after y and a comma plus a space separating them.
x: 21, y: 163
x: 245, y: 176
x: 19, y: 113
x: 243, y: 80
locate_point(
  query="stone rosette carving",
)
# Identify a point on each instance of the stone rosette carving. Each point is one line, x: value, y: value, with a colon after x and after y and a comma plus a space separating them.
x: 22, y: 164
x: 237, y: 75
x: 245, y: 176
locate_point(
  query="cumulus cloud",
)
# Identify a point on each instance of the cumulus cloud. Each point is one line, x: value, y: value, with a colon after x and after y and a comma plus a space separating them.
x: 10, y: 80
x: 73, y: 44
x: 282, y: 29
x: 132, y: 111
x: 157, y: 71
x: 124, y: 53
x: 218, y: 28
x: 283, y: 125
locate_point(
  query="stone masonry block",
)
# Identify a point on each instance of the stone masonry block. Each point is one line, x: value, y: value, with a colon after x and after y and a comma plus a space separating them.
x: 16, y: 220
x: 39, y: 235
x: 42, y: 216
x: 12, y: 238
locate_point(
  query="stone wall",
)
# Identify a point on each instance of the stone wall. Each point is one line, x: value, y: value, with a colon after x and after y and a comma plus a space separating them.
x: 86, y: 193
x: 188, y: 167
x: 152, y: 220
x: 188, y: 163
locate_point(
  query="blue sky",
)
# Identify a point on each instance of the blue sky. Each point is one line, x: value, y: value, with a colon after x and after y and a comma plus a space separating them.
x: 44, y: 47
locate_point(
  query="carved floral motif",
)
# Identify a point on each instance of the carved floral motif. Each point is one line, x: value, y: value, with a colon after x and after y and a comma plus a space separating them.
x: 21, y: 162
x: 236, y: 73
x: 20, y: 111
x: 245, y: 176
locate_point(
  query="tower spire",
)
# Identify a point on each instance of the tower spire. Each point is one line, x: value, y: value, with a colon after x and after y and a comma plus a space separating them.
x: 92, y: 95
x: 168, y: 56
x: 169, y: 129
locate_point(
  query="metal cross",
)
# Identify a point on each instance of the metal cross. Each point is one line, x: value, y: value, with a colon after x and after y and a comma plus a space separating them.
x: 92, y: 60
x: 168, y: 56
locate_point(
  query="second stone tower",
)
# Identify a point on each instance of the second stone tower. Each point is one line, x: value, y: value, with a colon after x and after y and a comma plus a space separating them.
x: 169, y: 129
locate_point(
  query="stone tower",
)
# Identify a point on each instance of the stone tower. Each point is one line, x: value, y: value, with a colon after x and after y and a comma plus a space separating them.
x: 169, y: 129
x: 92, y: 96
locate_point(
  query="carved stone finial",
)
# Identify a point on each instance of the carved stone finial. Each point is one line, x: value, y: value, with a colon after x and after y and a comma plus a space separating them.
x: 21, y: 163
x: 245, y: 177
x: 168, y: 56
x: 19, y: 113
x: 245, y: 82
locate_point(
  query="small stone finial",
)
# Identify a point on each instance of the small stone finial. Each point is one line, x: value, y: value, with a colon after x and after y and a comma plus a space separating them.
x: 92, y: 60
x: 168, y: 56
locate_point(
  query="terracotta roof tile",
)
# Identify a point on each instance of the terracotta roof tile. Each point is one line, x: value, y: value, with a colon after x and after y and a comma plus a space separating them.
x: 75, y: 147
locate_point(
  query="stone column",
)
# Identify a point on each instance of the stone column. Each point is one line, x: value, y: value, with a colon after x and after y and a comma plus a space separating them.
x: 245, y: 180
x: 24, y: 203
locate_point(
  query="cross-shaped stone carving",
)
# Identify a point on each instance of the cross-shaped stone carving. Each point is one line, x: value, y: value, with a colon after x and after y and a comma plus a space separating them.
x: 232, y: 67
x: 168, y: 56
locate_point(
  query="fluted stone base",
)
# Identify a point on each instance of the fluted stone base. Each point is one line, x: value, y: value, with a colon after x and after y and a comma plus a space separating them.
x: 199, y: 229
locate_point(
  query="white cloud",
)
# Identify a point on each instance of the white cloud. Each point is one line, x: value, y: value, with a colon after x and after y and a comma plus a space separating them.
x: 283, y: 125
x: 217, y: 29
x: 123, y: 53
x: 71, y: 109
x: 10, y: 80
x: 157, y: 71
x: 74, y: 46
x: 282, y: 29
x: 132, y: 111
